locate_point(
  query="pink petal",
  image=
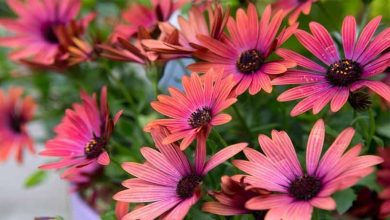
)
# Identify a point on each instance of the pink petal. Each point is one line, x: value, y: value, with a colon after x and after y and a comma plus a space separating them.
x: 302, y: 92
x: 326, y: 203
x: 365, y: 36
x: 348, y: 33
x: 324, y: 100
x: 297, y: 77
x: 273, y: 68
x: 325, y: 41
x: 153, y: 210
x: 335, y: 151
x: 378, y: 87
x: 221, y: 119
x: 223, y: 155
x: 221, y: 209
x: 339, y: 99
x: 312, y: 44
x: 265, y: 82
x: 377, y: 66
x: 121, y: 209
x: 150, y: 193
x: 171, y: 151
x: 159, y: 161
x: 268, y: 202
x: 103, y: 158
x: 314, y: 146
x: 200, y: 152
x: 149, y: 173
x: 181, y: 210
x: 300, y: 60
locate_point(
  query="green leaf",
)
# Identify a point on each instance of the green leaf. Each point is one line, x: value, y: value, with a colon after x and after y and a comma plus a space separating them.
x: 370, y: 182
x: 35, y: 179
x: 110, y: 215
x: 344, y: 200
x: 384, y: 130
x: 378, y: 141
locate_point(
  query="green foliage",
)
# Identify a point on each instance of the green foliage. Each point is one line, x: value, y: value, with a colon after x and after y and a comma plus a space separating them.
x: 344, y: 200
x: 35, y: 179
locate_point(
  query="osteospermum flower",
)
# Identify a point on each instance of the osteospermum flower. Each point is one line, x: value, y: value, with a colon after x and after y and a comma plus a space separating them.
x: 83, y: 135
x: 184, y: 41
x: 339, y: 75
x: 294, y: 7
x: 196, y: 110
x: 138, y: 15
x: 167, y: 181
x: 15, y: 113
x: 232, y: 198
x: 245, y: 53
x: 296, y: 191
x: 36, y: 32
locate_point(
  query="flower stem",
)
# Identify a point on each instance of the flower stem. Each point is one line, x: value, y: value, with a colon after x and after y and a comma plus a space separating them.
x: 219, y: 137
x: 371, y: 130
x: 242, y: 121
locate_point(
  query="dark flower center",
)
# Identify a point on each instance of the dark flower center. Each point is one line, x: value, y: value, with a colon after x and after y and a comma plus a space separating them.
x: 49, y: 34
x: 305, y: 187
x: 249, y: 61
x: 187, y: 185
x: 16, y: 123
x: 199, y: 118
x: 94, y: 147
x: 359, y: 100
x: 344, y: 72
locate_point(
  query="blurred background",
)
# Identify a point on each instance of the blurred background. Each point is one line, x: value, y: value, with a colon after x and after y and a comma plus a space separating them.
x: 26, y: 193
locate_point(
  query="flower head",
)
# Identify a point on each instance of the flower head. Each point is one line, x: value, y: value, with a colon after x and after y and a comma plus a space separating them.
x: 39, y: 30
x: 232, y: 198
x: 15, y: 113
x: 195, y: 110
x: 294, y: 7
x: 245, y: 53
x: 138, y: 15
x: 167, y: 180
x: 82, y: 136
x: 338, y: 75
x: 296, y: 191
x: 184, y: 41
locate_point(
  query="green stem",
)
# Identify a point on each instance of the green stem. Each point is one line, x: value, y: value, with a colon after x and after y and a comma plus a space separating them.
x: 372, y: 128
x: 242, y: 121
x: 219, y: 137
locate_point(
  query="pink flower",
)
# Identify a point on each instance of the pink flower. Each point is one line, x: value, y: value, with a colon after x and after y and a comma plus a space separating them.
x: 184, y: 41
x: 232, y: 198
x: 245, y: 53
x: 37, y: 35
x: 296, y: 191
x: 15, y: 113
x: 384, y: 179
x: 138, y: 15
x: 294, y: 7
x: 338, y: 76
x: 83, y: 135
x: 167, y: 180
x: 195, y: 110
x: 82, y: 177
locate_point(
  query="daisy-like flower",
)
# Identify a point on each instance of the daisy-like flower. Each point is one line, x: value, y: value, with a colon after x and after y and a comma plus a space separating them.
x: 245, y: 53
x: 185, y: 40
x: 138, y: 15
x: 296, y: 192
x: 196, y: 110
x: 37, y: 38
x: 15, y: 113
x: 339, y: 75
x: 232, y: 198
x: 168, y: 181
x: 82, y: 136
x: 294, y: 7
